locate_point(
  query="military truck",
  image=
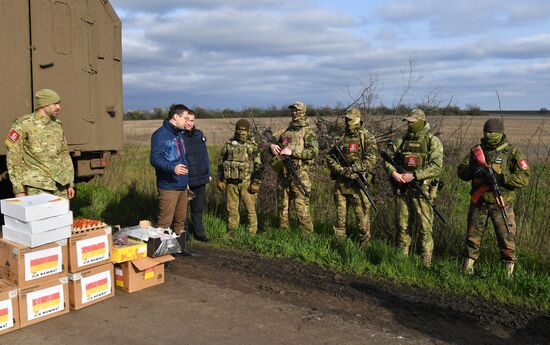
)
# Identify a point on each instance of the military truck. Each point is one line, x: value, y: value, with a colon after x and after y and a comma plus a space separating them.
x: 74, y: 48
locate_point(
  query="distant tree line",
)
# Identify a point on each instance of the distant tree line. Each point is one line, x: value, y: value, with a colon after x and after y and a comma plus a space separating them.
x: 273, y: 111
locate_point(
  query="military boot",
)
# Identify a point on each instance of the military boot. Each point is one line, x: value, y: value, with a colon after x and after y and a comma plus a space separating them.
x: 509, y: 266
x: 468, y: 266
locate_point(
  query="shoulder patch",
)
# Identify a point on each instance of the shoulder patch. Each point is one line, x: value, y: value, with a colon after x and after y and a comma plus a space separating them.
x: 14, y: 136
x: 523, y: 164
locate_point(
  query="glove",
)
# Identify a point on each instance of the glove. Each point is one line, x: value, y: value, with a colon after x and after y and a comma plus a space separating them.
x: 356, y: 167
x: 221, y: 185
x: 254, y: 188
x: 479, y: 171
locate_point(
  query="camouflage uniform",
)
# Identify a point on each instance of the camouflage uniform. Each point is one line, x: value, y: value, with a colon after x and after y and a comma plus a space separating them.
x: 38, y: 157
x: 302, y: 140
x: 511, y: 167
x: 421, y: 154
x: 360, y: 152
x: 240, y: 169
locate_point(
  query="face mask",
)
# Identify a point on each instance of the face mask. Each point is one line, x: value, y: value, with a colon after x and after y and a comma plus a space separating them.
x: 352, y: 126
x: 493, y: 139
x: 297, y: 115
x: 416, y: 127
x: 241, y: 135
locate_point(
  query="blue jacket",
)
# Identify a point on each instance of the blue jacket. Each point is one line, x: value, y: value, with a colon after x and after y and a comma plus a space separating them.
x: 197, y: 156
x: 167, y: 151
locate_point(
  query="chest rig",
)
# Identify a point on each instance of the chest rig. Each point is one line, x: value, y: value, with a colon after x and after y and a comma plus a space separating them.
x: 352, y: 146
x: 498, y: 157
x: 238, y: 163
x: 414, y: 151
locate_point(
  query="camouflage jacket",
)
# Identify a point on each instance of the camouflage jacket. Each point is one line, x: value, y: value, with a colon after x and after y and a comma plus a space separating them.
x: 302, y: 140
x: 505, y: 159
x: 359, y: 149
x: 419, y: 153
x: 240, y: 161
x: 38, y: 155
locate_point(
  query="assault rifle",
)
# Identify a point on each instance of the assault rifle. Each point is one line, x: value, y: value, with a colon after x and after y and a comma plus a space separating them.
x: 288, y: 163
x: 490, y: 177
x: 361, y: 181
x: 415, y: 185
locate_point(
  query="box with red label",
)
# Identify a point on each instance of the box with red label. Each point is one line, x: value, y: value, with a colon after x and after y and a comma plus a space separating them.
x: 91, y: 286
x: 43, y: 301
x: 89, y: 248
x: 34, y: 207
x: 9, y: 308
x: 139, y: 274
x: 24, y: 266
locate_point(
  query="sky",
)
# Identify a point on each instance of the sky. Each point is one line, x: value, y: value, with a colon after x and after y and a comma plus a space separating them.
x: 241, y: 53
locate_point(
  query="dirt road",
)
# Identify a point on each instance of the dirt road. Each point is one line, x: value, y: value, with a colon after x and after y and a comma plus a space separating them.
x: 228, y: 297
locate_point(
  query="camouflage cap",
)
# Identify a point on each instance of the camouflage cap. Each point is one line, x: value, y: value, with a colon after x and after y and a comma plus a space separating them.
x: 415, y: 115
x: 45, y: 97
x: 242, y: 124
x: 353, y: 116
x: 493, y: 125
x: 300, y: 106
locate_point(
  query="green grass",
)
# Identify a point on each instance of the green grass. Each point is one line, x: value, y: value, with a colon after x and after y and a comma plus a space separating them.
x: 127, y: 194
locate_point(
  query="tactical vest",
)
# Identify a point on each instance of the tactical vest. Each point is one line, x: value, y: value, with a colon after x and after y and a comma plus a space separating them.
x: 238, y: 164
x: 414, y: 151
x: 498, y: 158
x: 352, y: 147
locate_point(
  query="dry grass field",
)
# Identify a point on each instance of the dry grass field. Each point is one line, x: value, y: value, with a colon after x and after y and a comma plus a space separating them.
x: 530, y: 133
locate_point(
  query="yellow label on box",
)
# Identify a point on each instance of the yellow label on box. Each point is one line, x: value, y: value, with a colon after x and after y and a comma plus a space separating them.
x: 150, y: 273
x: 129, y: 252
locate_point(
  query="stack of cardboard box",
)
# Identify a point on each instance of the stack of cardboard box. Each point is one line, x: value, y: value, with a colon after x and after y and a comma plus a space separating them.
x: 91, y: 277
x: 34, y: 256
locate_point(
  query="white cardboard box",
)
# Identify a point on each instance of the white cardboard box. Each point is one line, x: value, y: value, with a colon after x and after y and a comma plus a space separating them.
x: 35, y: 240
x: 41, y: 225
x: 34, y: 207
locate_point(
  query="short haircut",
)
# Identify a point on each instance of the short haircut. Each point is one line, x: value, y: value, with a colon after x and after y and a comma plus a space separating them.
x: 191, y: 112
x: 176, y: 109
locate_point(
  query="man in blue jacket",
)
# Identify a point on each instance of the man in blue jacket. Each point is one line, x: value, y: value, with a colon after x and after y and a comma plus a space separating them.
x: 168, y: 156
x: 199, y: 175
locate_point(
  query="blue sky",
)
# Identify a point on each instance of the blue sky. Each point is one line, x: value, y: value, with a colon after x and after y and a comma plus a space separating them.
x: 233, y: 54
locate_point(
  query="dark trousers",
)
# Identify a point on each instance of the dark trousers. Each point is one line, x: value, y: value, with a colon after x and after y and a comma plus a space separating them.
x: 193, y: 224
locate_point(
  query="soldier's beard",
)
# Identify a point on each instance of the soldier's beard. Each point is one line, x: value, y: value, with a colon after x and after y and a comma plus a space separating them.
x: 241, y: 137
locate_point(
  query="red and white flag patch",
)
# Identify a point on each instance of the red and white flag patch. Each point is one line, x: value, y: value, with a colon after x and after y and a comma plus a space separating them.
x: 353, y: 147
x: 14, y: 136
x: 411, y: 161
x: 523, y: 164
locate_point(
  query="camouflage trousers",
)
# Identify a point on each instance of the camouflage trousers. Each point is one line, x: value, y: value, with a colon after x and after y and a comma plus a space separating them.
x: 234, y: 192
x: 61, y: 191
x: 415, y: 212
x: 346, y: 196
x: 288, y: 192
x: 478, y: 216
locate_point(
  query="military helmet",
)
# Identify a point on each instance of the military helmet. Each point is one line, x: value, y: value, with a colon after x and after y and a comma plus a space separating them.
x: 415, y: 115
x: 493, y: 125
x: 353, y: 116
x: 242, y: 124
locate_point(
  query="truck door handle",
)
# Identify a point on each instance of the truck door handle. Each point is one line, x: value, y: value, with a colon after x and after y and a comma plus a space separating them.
x: 46, y: 65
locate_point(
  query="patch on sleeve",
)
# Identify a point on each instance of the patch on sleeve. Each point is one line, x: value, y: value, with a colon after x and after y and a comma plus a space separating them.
x: 14, y: 136
x: 203, y: 139
x: 523, y: 164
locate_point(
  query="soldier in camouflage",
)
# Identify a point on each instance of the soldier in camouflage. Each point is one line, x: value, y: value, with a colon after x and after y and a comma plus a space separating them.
x: 38, y: 157
x: 511, y: 172
x: 360, y: 152
x: 420, y: 152
x: 299, y: 142
x: 239, y: 175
